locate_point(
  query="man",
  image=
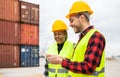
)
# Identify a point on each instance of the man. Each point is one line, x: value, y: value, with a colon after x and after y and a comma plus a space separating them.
x: 61, y: 47
x: 88, y: 58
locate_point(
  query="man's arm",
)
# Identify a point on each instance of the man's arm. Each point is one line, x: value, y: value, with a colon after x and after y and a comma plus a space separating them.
x: 92, y: 56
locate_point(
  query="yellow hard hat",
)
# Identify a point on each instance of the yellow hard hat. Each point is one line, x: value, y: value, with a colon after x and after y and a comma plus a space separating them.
x: 79, y: 6
x: 59, y: 25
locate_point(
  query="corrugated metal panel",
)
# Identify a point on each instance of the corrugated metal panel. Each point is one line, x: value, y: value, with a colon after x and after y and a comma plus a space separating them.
x: 34, y: 13
x: 25, y: 56
x: 29, y: 56
x: 29, y: 34
x: 9, y: 32
x: 34, y: 55
x: 9, y: 10
x: 9, y: 56
x: 25, y: 12
x: 29, y: 12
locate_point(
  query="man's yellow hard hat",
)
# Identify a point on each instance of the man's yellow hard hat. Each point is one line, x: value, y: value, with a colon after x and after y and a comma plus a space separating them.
x: 59, y: 25
x: 79, y: 6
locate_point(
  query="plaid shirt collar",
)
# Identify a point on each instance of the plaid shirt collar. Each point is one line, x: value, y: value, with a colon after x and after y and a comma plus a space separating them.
x: 86, y: 31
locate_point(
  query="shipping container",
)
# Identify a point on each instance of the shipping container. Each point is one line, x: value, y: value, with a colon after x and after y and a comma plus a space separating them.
x: 25, y: 56
x: 29, y: 34
x: 29, y: 12
x: 29, y: 56
x: 9, y: 32
x: 9, y: 56
x: 9, y: 10
x: 34, y: 55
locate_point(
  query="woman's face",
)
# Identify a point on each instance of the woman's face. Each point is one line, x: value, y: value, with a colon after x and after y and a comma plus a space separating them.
x: 59, y: 37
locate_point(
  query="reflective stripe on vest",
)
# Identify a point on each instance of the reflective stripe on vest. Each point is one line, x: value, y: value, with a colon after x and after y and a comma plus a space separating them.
x: 66, y: 51
x: 96, y: 73
x: 51, y: 70
x: 62, y: 71
x: 58, y: 71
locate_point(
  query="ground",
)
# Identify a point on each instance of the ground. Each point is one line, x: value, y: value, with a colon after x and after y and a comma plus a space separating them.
x: 111, y: 70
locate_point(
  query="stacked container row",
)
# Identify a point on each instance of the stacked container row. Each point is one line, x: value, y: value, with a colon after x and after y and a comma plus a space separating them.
x: 15, y: 10
x: 9, y: 10
x: 9, y: 56
x: 16, y: 33
x: 29, y: 13
x: 29, y: 56
x: 29, y: 34
x: 9, y: 32
x: 19, y: 28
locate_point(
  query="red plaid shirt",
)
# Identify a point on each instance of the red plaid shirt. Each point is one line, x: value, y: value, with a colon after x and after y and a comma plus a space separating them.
x: 93, y: 54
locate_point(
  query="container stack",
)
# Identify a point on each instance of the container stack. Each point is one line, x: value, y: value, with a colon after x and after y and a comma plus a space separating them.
x: 19, y: 34
x: 29, y: 17
x: 9, y: 33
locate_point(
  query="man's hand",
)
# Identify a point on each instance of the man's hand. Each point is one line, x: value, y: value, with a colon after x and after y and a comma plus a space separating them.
x: 54, y: 59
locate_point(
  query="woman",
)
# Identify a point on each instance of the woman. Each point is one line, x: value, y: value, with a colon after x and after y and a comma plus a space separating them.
x: 61, y: 47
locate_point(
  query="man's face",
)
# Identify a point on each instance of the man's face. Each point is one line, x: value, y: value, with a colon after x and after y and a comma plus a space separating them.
x: 75, y: 24
x: 59, y: 36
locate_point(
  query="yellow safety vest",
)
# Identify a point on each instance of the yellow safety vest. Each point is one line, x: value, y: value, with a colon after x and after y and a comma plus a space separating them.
x: 66, y: 52
x: 79, y: 55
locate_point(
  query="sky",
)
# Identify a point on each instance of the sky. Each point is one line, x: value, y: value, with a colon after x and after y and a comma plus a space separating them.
x: 106, y: 19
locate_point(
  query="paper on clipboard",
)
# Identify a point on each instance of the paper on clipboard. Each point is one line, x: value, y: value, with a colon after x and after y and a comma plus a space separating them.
x: 43, y: 53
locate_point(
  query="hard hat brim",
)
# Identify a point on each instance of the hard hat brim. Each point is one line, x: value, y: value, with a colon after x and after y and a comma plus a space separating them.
x: 69, y: 15
x: 59, y: 30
